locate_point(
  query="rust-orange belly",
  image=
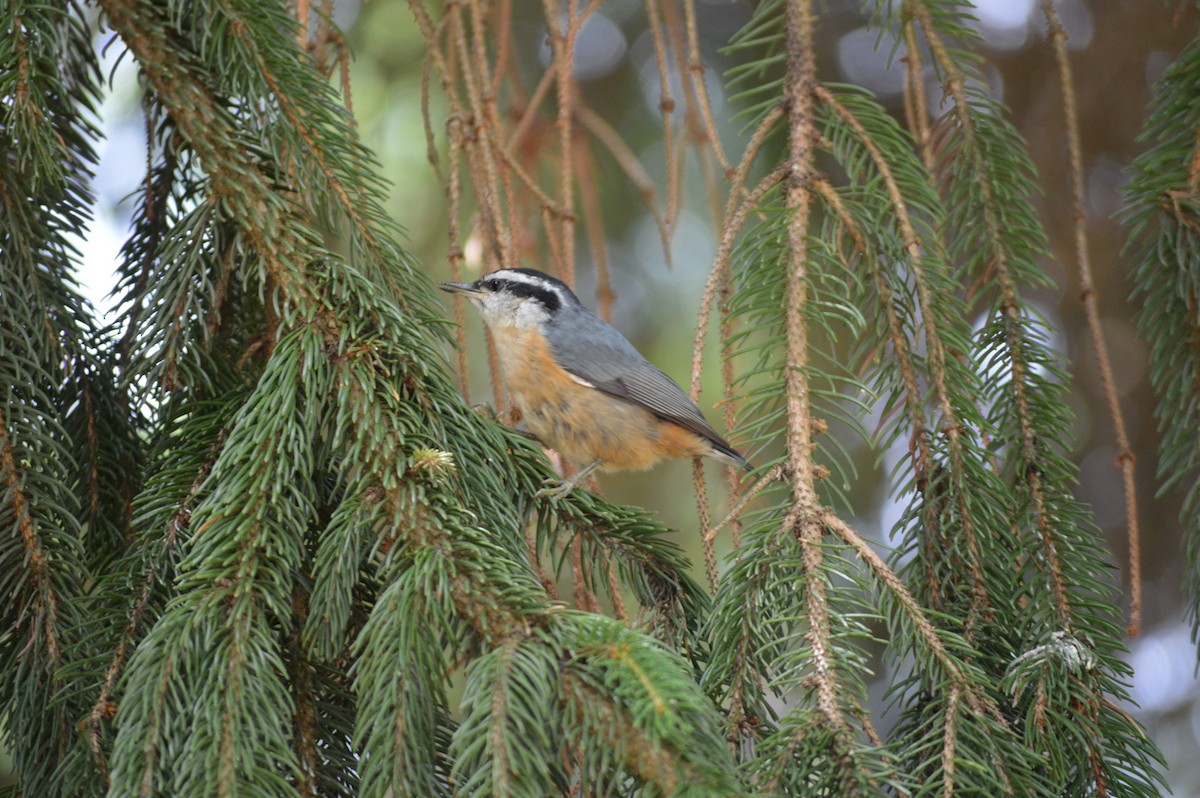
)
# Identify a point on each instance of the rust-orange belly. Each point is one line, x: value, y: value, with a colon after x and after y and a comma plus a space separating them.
x: 585, y: 424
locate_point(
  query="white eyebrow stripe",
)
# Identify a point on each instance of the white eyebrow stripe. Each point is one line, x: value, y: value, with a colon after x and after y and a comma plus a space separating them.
x: 524, y: 279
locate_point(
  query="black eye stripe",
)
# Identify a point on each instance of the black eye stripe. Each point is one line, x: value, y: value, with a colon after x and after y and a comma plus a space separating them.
x: 548, y: 297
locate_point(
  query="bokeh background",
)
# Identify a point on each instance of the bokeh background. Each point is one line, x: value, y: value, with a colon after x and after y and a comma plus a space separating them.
x: 1119, y: 48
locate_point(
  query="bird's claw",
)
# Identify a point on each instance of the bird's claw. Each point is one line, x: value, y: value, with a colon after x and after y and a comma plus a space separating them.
x: 555, y: 489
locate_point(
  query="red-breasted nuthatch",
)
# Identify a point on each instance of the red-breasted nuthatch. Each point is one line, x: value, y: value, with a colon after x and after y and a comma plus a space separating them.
x: 580, y: 385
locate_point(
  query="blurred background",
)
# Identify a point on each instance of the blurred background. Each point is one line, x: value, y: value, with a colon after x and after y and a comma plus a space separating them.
x: 1119, y: 48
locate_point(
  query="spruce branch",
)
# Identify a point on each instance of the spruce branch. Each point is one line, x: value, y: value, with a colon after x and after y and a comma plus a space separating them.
x: 59, y: 510
x: 242, y: 189
x: 169, y: 518
x: 801, y: 135
x: 1009, y: 307
x: 916, y: 103
x: 255, y: 540
x: 562, y: 45
x: 629, y: 542
x: 978, y: 703
x: 938, y: 478
x: 1162, y: 216
x: 40, y: 611
x: 801, y: 520
x: 267, y: 50
x: 488, y: 191
x: 666, y: 107
x: 695, y: 70
x: 989, y: 162
x: 1088, y: 297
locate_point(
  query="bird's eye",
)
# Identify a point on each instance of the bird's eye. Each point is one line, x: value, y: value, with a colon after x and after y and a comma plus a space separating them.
x: 491, y: 284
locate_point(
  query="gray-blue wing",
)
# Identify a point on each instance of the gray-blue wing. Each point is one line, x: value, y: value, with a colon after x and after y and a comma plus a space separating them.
x: 602, y: 357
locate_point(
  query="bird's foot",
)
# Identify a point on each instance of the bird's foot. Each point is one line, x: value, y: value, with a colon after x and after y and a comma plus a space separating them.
x: 555, y: 489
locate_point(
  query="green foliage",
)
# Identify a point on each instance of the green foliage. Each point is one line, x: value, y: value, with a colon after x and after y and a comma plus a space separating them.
x: 1161, y: 217
x: 315, y: 494
x: 1064, y: 590
x: 987, y: 477
x: 254, y: 542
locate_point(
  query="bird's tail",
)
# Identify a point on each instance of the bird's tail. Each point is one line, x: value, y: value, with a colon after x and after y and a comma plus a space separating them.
x: 726, y: 453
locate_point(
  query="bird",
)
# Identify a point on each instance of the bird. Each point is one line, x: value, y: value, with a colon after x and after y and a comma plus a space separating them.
x: 580, y: 385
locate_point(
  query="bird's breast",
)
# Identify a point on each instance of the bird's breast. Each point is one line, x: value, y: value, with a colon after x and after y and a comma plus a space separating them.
x: 581, y: 422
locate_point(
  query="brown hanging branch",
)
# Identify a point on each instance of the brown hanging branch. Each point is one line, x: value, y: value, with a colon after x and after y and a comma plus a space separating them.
x: 1088, y: 297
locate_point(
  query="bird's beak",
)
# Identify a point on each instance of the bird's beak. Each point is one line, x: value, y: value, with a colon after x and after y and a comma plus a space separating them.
x: 460, y: 288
